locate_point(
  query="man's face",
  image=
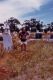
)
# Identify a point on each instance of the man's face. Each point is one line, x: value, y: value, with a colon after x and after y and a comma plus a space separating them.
x: 24, y: 29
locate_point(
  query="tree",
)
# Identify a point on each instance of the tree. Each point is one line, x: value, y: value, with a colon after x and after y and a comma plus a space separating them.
x: 33, y: 24
x: 52, y: 24
x: 13, y: 22
x: 1, y: 27
x: 27, y: 24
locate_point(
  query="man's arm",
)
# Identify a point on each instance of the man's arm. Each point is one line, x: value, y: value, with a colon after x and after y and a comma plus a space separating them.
x: 28, y: 34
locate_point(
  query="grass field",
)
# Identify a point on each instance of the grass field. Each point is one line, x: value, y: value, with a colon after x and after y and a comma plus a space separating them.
x: 35, y: 64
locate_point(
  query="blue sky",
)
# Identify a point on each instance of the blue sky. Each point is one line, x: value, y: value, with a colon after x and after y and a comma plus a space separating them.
x: 45, y: 13
x: 26, y: 9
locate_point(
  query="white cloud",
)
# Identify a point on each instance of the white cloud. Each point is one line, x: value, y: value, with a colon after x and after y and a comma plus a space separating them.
x: 17, y: 8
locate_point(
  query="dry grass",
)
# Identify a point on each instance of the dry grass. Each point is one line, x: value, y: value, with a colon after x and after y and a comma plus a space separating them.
x: 35, y: 64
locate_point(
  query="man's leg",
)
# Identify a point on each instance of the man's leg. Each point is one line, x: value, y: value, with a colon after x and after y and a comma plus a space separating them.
x: 21, y: 45
x: 24, y: 47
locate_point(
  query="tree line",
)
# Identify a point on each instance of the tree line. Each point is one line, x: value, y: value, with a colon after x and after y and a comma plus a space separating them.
x: 30, y: 25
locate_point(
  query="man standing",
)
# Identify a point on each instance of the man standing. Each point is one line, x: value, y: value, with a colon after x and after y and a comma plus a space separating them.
x: 23, y: 35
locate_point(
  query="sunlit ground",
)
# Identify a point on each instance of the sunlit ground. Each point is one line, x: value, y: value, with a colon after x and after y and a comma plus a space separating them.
x: 34, y: 64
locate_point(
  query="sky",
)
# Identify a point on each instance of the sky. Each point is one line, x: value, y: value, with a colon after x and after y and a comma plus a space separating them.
x: 26, y: 9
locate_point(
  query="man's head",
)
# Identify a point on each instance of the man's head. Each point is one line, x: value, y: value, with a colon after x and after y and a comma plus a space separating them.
x: 24, y: 29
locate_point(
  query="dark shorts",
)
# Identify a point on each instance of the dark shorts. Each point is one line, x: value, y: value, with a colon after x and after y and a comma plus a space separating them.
x: 1, y: 38
x: 23, y: 40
